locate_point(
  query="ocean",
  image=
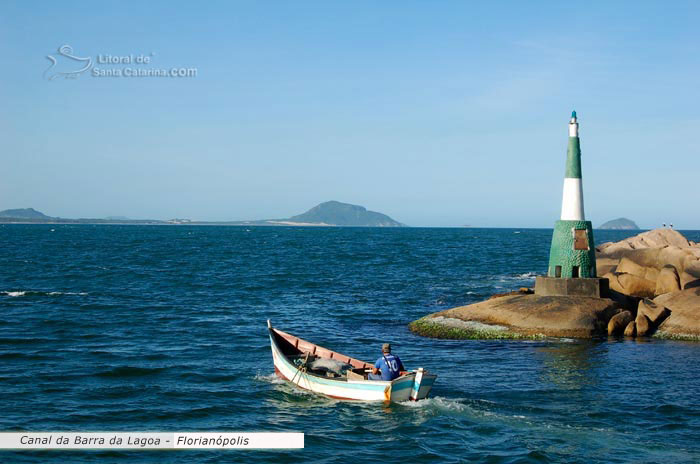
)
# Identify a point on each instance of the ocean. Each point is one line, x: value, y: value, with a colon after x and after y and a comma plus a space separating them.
x: 163, y: 328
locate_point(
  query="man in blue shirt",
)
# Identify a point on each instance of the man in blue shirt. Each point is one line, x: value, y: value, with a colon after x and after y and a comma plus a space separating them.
x: 389, y: 365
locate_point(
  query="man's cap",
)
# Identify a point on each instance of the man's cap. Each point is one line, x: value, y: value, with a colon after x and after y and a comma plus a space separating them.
x: 386, y: 348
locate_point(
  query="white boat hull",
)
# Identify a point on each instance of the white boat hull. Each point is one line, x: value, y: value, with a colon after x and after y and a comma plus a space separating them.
x: 411, y: 386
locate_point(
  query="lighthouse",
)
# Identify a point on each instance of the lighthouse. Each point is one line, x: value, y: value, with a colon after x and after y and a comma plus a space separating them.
x: 572, y: 267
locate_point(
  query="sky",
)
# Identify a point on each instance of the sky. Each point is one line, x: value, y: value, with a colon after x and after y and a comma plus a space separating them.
x: 443, y: 113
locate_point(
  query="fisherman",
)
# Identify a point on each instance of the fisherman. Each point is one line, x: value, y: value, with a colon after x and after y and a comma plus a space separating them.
x: 389, y: 365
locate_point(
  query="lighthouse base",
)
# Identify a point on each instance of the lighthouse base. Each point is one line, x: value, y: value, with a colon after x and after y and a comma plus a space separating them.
x: 572, y: 254
x: 596, y: 287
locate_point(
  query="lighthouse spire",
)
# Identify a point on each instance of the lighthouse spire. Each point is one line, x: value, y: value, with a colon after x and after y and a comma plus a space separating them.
x: 572, y: 199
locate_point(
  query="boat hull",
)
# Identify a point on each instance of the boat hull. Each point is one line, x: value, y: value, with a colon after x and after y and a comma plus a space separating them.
x: 412, y: 386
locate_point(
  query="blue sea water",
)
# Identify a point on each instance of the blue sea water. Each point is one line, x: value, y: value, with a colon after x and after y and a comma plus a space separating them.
x: 131, y: 328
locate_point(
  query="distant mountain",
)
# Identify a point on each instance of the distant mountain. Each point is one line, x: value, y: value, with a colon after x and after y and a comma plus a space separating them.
x: 32, y: 216
x: 330, y: 213
x: 620, y: 224
x: 23, y: 213
x: 335, y: 213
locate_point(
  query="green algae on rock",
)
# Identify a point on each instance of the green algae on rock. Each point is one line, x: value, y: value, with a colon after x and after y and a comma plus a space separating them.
x: 521, y: 317
x: 456, y: 329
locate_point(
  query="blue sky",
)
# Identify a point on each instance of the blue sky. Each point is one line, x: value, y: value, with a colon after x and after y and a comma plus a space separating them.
x: 436, y: 113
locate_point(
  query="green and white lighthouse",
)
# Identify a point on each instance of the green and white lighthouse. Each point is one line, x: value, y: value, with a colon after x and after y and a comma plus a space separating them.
x: 573, y: 250
x: 572, y: 267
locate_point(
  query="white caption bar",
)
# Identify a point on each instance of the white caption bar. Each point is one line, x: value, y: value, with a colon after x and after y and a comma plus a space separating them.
x: 150, y: 440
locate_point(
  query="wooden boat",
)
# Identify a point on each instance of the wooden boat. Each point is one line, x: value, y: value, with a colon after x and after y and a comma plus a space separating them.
x: 294, y: 360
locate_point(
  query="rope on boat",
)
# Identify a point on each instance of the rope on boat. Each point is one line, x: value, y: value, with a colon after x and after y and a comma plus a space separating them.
x: 301, y: 369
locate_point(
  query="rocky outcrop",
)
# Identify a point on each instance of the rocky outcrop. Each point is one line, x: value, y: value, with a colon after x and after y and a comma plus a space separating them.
x: 654, y: 291
x: 684, y: 314
x: 649, y: 315
x: 659, y: 264
x: 521, y: 316
x: 657, y: 238
x: 650, y: 264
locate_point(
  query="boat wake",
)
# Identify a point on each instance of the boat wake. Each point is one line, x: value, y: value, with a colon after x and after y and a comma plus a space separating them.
x: 439, y: 404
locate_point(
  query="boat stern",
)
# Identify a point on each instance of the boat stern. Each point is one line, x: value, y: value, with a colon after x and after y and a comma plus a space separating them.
x: 422, y: 384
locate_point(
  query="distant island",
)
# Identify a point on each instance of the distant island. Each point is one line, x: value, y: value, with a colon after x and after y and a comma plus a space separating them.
x: 335, y: 213
x: 23, y: 213
x: 620, y: 224
x: 330, y: 213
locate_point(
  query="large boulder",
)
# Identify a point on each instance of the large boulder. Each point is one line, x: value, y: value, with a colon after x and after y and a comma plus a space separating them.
x: 627, y: 266
x: 656, y: 313
x: 642, y: 325
x: 674, y: 256
x: 684, y: 320
x: 618, y: 323
x: 647, y: 257
x: 690, y: 278
x: 630, y: 286
x: 521, y: 315
x: 668, y: 280
x: 653, y: 239
x: 613, y: 283
x: 631, y: 330
x: 636, y: 286
x: 605, y: 265
x: 658, y: 238
x: 690, y: 260
x: 689, y: 281
x: 614, y: 250
x: 651, y: 274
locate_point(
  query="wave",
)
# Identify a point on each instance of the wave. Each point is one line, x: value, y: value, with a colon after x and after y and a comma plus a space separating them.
x: 524, y: 276
x: 16, y: 293
x: 527, y: 275
x: 269, y: 378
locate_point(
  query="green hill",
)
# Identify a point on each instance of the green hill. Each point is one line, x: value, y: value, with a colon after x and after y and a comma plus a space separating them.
x: 336, y: 213
x: 23, y: 213
x: 620, y: 224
